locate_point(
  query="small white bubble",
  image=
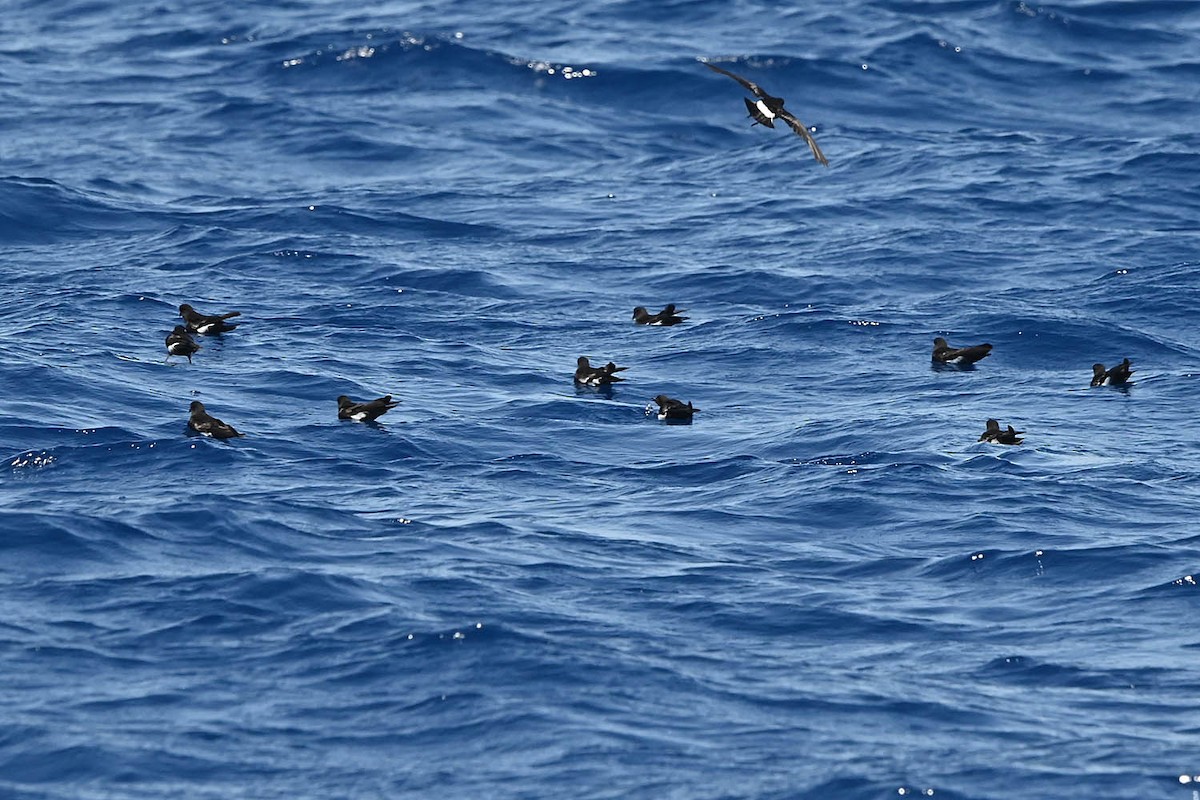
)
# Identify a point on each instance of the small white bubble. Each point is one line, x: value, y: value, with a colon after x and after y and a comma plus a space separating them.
x: 1185, y: 778
x: 864, y: 66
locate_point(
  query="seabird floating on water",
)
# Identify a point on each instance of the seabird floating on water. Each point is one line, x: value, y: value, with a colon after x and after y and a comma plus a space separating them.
x: 668, y: 316
x: 997, y: 436
x: 674, y: 410
x: 1114, y: 377
x: 206, y: 324
x: 369, y: 411
x: 959, y: 355
x: 207, y: 425
x: 588, y: 375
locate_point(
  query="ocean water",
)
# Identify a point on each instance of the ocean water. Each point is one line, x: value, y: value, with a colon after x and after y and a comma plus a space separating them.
x: 824, y: 587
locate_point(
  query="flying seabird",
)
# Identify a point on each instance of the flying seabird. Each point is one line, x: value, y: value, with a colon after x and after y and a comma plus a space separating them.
x: 179, y: 343
x: 959, y: 355
x: 1115, y: 376
x: 207, y: 425
x: 206, y: 324
x: 369, y: 411
x: 671, y: 409
x: 588, y: 375
x: 668, y: 316
x: 997, y: 436
x: 766, y: 109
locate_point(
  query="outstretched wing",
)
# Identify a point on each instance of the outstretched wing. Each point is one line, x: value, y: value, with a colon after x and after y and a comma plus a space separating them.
x: 800, y: 128
x: 753, y: 88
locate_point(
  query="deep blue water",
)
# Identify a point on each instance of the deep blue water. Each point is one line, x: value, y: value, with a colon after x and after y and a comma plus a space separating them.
x: 825, y: 587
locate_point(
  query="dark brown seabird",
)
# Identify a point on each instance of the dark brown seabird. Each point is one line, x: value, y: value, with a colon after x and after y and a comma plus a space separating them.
x: 1116, y: 376
x: 673, y: 410
x: 995, y: 435
x: 368, y: 411
x: 206, y: 324
x: 668, y: 316
x: 588, y: 375
x: 206, y: 424
x: 768, y: 108
x: 959, y: 355
x: 179, y: 343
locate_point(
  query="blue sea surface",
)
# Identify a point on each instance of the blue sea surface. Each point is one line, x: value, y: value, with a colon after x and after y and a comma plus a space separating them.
x: 824, y: 587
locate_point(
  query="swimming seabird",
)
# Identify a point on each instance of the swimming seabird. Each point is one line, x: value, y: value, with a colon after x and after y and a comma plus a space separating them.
x: 369, y: 411
x: 207, y: 425
x: 959, y: 355
x: 206, y: 324
x: 1115, y: 376
x: 179, y: 343
x: 767, y: 108
x: 668, y: 316
x: 588, y: 375
x: 997, y: 436
x: 671, y: 409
